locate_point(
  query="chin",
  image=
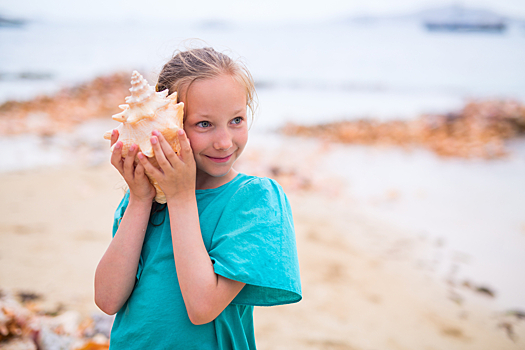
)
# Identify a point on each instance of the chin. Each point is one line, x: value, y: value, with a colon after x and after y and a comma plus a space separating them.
x: 222, y: 174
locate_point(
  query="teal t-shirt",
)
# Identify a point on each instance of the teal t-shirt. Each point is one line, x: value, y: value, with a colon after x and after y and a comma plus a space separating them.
x: 248, y: 231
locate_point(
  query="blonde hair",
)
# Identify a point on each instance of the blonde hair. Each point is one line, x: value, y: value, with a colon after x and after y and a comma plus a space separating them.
x: 185, y: 67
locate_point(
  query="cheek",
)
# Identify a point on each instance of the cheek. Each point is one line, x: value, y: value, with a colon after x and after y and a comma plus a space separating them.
x: 242, y: 138
x: 195, y: 142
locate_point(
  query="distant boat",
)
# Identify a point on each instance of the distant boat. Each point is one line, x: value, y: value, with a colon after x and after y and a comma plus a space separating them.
x: 457, y: 18
x: 11, y: 22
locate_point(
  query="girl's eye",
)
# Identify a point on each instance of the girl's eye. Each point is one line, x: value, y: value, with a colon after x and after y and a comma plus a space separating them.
x: 203, y: 124
x: 237, y: 120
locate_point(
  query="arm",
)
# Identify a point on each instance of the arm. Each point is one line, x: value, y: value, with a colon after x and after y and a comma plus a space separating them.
x: 116, y: 271
x: 205, y: 293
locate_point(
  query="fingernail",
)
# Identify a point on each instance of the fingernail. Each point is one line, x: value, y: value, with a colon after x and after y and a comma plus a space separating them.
x: 156, y: 133
x: 132, y: 148
x: 181, y: 132
x: 118, y: 145
x: 113, y: 132
x: 140, y: 155
x: 154, y: 140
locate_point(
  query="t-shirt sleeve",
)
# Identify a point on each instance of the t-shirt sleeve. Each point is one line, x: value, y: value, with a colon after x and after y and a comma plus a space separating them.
x: 119, y: 212
x: 254, y: 243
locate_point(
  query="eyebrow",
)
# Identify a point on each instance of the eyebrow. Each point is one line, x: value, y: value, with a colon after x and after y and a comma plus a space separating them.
x: 240, y: 110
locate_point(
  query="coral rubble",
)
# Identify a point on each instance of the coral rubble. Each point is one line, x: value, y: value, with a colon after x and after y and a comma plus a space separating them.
x: 477, y: 131
x: 24, y: 327
x: 47, y: 115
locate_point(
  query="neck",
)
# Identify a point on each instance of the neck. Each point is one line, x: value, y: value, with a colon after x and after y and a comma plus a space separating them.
x: 204, y: 181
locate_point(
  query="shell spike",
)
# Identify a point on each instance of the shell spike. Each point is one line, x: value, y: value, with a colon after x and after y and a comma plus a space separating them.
x: 173, y: 97
x: 163, y: 93
x: 120, y: 117
x: 140, y: 89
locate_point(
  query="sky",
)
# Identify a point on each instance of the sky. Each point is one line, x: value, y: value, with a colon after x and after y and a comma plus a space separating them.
x: 236, y: 10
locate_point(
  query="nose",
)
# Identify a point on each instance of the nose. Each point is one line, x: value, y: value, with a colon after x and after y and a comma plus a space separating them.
x: 223, y: 140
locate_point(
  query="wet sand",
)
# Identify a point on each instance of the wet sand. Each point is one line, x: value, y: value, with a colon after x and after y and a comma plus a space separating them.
x: 363, y: 285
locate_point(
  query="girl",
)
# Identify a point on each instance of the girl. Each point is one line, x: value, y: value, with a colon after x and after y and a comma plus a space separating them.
x: 187, y: 274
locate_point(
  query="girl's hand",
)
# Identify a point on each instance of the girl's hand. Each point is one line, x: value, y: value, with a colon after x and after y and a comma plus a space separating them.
x: 134, y: 175
x: 177, y: 173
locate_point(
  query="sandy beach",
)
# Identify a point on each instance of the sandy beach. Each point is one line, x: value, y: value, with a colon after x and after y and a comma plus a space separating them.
x: 365, y: 283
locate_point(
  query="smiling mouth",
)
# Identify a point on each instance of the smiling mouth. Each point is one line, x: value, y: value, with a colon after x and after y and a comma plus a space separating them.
x: 220, y: 160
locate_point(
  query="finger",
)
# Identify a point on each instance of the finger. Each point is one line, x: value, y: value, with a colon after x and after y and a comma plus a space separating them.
x: 116, y: 157
x: 164, y: 163
x: 166, y: 147
x: 114, y: 136
x: 129, y: 166
x: 144, y: 161
x: 139, y: 171
x: 185, y: 146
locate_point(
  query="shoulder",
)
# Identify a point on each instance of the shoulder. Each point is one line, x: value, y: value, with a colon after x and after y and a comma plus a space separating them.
x: 260, y: 197
x: 258, y: 186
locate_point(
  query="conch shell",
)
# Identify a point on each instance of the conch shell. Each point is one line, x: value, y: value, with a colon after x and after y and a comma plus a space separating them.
x: 147, y: 110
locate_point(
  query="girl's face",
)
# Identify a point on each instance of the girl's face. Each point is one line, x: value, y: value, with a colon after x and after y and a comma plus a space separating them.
x: 215, y: 122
